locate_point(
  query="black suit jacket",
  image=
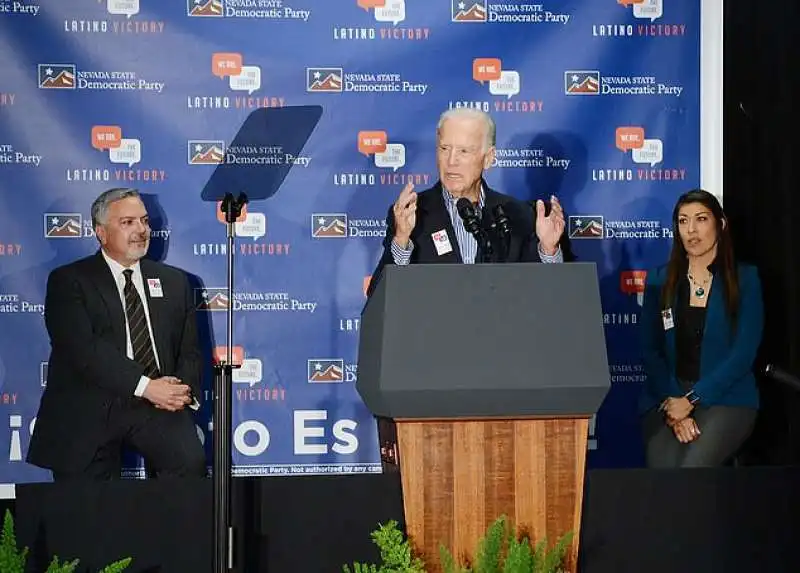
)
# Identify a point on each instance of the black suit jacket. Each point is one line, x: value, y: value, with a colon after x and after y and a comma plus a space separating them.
x: 89, y: 367
x: 432, y: 216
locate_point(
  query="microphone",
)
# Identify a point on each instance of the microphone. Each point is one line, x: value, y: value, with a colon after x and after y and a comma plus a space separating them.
x: 782, y: 376
x: 472, y: 223
x: 466, y: 210
x: 503, y: 226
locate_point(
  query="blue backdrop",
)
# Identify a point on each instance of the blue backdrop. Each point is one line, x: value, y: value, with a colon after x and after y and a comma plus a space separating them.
x: 596, y: 101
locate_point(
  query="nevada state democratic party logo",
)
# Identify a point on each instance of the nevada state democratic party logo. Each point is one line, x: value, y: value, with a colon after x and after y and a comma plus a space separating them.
x: 329, y: 225
x: 586, y: 227
x: 208, y: 8
x: 211, y: 299
x: 63, y: 225
x: 584, y: 82
x: 324, y: 80
x: 598, y: 227
x: 51, y: 76
x: 468, y: 10
x: 325, y: 370
x: 506, y: 12
x: 205, y: 151
x: 592, y: 83
x: 335, y: 80
x: 340, y: 226
x: 247, y: 9
x: 57, y: 76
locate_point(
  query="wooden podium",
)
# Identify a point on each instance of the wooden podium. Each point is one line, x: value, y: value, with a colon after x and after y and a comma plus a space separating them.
x: 483, y: 379
x: 458, y: 477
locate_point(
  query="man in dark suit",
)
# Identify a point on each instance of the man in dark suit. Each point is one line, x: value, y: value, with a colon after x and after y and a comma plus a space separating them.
x: 426, y: 227
x: 125, y: 364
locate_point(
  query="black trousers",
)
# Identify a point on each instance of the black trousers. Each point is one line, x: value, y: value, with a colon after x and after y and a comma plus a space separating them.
x: 723, y: 430
x: 167, y: 441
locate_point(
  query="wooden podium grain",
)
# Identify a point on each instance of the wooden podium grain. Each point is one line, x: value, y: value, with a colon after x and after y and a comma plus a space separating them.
x: 458, y: 476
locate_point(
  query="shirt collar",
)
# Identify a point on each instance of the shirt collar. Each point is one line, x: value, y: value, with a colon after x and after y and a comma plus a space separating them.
x: 116, y: 268
x: 449, y: 199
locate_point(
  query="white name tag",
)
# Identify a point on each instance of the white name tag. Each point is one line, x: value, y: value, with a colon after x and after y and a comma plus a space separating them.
x: 666, y: 317
x: 154, y: 286
x: 442, y: 242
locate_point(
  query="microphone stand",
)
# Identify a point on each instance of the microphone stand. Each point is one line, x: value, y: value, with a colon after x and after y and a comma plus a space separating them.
x: 484, y: 245
x: 503, y: 231
x: 223, y: 384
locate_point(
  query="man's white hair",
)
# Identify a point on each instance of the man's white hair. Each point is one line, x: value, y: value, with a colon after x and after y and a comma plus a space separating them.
x: 472, y: 113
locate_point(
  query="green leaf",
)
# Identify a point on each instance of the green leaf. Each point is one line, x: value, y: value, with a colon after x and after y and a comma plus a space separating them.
x: 117, y: 566
x: 12, y: 560
x: 489, y: 553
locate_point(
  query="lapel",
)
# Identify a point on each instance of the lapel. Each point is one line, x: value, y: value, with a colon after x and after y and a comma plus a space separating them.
x: 491, y: 199
x: 715, y: 317
x: 156, y: 308
x: 436, y: 218
x: 104, y: 281
x: 669, y: 335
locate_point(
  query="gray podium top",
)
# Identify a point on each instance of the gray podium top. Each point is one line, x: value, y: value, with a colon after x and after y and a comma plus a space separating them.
x: 509, y: 340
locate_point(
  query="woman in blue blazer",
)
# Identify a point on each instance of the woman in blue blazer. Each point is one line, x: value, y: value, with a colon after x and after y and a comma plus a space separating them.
x: 702, y: 320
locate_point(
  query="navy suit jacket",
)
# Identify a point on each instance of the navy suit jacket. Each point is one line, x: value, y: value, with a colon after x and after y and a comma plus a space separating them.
x: 726, y: 360
x: 432, y: 216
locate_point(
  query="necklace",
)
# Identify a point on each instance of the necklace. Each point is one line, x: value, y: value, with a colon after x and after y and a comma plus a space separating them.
x: 699, y: 289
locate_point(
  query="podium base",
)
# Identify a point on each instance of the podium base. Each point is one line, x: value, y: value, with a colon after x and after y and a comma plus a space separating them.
x: 460, y: 476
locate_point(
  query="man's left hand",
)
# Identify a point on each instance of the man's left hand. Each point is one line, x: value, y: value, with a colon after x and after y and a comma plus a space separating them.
x: 549, y: 229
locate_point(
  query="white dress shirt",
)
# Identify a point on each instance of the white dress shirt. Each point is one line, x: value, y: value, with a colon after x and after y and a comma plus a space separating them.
x: 138, y: 282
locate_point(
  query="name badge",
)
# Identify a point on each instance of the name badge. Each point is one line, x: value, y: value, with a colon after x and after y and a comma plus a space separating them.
x: 442, y: 242
x: 666, y: 317
x: 154, y: 286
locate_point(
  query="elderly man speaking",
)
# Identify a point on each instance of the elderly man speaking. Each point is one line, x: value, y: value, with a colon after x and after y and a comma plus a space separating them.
x: 462, y: 220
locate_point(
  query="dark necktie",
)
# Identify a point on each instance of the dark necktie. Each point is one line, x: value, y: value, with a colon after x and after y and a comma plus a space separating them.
x: 137, y: 325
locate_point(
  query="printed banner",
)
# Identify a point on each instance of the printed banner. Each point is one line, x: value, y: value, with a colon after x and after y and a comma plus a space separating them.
x: 596, y: 102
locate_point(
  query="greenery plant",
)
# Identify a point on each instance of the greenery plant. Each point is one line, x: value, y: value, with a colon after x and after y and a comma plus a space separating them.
x: 12, y: 559
x: 501, y: 550
x: 504, y: 550
x: 395, y: 553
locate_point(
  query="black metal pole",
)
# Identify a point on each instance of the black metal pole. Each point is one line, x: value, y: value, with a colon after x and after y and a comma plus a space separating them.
x: 222, y: 430
x: 223, y: 531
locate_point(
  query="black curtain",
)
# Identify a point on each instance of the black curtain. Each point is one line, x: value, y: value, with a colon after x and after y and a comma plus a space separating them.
x: 762, y: 197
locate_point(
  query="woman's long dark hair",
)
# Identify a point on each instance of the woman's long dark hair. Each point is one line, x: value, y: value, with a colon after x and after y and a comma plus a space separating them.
x: 725, y: 261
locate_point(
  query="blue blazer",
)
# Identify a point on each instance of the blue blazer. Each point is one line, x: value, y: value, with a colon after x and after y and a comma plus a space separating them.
x: 726, y: 374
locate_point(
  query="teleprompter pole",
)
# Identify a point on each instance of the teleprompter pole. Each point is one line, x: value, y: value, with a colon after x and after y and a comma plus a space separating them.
x: 223, y: 382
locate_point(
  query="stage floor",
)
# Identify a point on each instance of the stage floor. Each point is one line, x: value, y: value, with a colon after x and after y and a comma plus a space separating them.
x: 637, y: 521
